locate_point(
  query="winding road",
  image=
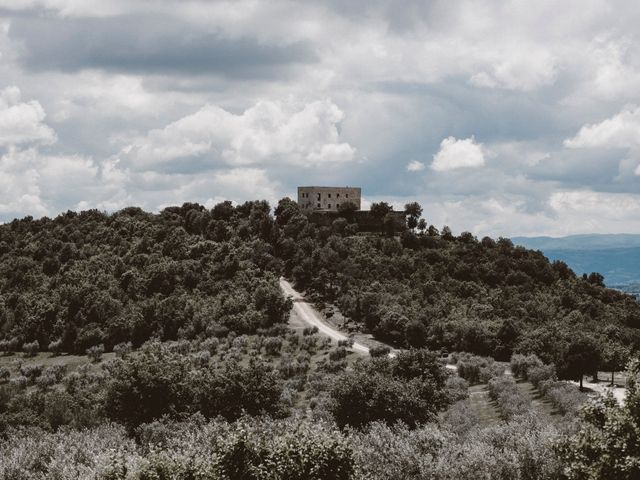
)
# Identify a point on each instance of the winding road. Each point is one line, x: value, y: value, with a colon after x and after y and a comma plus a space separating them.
x: 312, y: 317
x: 309, y: 315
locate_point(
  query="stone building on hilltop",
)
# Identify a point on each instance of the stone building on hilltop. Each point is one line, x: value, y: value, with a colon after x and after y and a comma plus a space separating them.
x: 328, y: 199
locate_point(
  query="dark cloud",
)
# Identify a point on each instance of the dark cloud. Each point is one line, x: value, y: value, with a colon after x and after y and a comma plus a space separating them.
x: 149, y: 44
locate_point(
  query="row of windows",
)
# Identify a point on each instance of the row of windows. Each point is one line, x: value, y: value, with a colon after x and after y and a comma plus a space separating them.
x: 306, y: 195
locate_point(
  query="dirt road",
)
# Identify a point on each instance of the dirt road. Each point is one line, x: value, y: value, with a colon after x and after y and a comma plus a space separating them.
x: 314, y: 318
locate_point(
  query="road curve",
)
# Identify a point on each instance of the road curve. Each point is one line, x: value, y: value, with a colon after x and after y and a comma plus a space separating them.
x: 312, y: 317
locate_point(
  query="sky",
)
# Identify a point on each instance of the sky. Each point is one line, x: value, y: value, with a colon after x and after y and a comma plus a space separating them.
x: 499, y: 117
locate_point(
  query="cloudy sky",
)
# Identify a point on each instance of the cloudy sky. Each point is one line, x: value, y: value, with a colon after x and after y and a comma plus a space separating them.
x: 502, y: 118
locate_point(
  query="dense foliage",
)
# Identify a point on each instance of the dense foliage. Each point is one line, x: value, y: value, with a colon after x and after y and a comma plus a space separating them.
x: 408, y: 388
x: 438, y: 290
x: 184, y: 326
x: 82, y: 280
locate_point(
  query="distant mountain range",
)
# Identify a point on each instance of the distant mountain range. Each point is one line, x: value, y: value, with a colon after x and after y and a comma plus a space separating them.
x: 616, y: 256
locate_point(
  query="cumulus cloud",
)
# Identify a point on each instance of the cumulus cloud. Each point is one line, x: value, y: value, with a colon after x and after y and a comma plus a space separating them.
x: 38, y: 183
x: 454, y: 154
x: 518, y: 72
x: 22, y: 122
x: 415, y: 166
x: 619, y: 131
x: 266, y: 133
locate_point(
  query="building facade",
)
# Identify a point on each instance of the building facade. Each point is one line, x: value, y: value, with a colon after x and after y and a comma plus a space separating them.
x: 328, y: 199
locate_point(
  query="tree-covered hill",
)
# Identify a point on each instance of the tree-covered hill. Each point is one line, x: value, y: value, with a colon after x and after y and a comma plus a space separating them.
x: 85, y: 279
x: 189, y: 272
x: 438, y: 290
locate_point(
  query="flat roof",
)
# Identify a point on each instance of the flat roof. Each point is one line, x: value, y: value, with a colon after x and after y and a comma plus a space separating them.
x: 324, y: 186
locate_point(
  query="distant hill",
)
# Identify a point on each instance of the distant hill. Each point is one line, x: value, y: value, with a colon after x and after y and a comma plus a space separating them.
x: 616, y: 256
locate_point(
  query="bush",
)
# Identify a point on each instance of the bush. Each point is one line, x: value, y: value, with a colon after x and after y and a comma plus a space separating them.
x: 31, y: 371
x: 477, y: 369
x: 379, y: 351
x: 211, y: 344
x: 95, y: 353
x: 564, y: 396
x: 408, y: 388
x: 309, y: 331
x: 272, y: 346
x: 540, y: 373
x: 521, y: 364
x: 30, y: 349
x: 5, y: 374
x: 457, y: 388
x: 504, y: 391
x: 55, y: 346
x: 348, y: 343
x: 339, y: 353
x: 123, y: 349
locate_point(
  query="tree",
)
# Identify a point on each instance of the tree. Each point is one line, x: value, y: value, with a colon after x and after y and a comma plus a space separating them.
x: 379, y: 211
x: 347, y: 210
x: 596, y: 278
x: 409, y: 388
x: 581, y: 357
x: 607, y: 444
x: 614, y: 358
x: 422, y: 225
x: 413, y: 211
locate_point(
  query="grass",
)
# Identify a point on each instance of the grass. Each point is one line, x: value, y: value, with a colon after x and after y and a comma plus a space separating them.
x: 482, y: 406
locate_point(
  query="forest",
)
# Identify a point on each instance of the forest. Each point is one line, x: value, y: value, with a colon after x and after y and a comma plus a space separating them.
x: 156, y: 346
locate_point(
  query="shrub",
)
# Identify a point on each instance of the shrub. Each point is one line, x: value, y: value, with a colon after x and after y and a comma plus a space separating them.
x: 5, y: 374
x: 457, y: 388
x: 379, y: 351
x: 9, y: 346
x: 477, y: 369
x: 202, y: 358
x: 521, y: 364
x: 31, y: 371
x: 339, y: 353
x: 30, y: 349
x: 348, y: 342
x: 122, y: 349
x: 564, y: 396
x: 540, y: 373
x: 272, y: 346
x: 408, y: 388
x: 20, y: 381
x: 95, y: 353
x: 55, y: 346
x: 504, y: 391
x: 211, y: 344
x: 309, y: 331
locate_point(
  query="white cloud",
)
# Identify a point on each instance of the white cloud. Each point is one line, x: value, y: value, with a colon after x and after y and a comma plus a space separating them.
x: 267, y: 133
x: 22, y: 122
x: 454, y: 153
x: 619, y: 131
x: 415, y: 166
x: 514, y: 71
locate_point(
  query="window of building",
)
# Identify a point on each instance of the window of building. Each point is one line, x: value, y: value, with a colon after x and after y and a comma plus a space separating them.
x: 337, y: 195
x: 318, y: 205
x: 329, y: 205
x: 337, y: 205
x: 329, y: 195
x: 346, y: 195
x: 318, y: 197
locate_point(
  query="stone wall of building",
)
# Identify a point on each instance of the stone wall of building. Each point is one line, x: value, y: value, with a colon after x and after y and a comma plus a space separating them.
x: 327, y: 199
